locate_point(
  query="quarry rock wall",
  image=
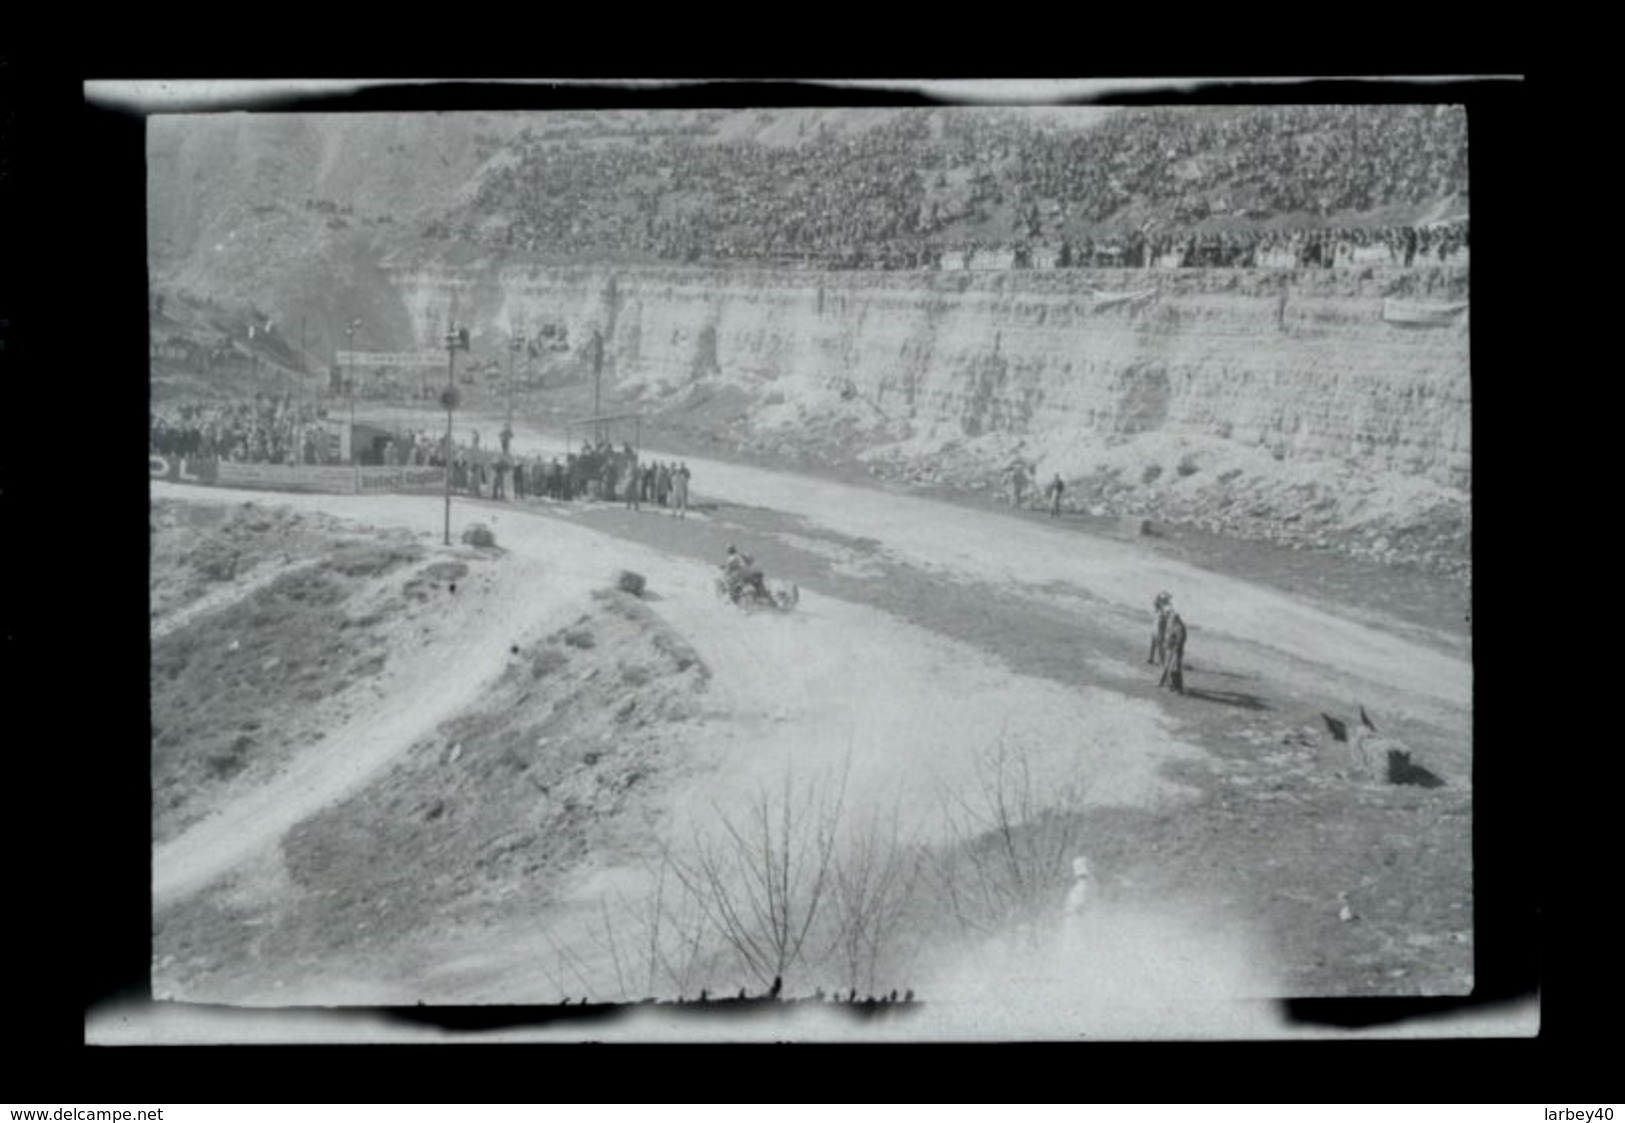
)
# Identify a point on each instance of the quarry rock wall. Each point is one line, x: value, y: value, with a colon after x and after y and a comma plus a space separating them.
x: 1306, y: 364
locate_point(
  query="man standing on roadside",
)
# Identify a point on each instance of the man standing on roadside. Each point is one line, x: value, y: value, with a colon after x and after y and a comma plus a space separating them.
x: 679, y: 480
x: 632, y: 480
x: 1173, y: 663
x: 1160, y: 608
x: 1056, y: 487
x: 499, y: 477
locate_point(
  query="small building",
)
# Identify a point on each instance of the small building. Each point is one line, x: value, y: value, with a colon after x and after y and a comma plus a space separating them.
x: 993, y: 260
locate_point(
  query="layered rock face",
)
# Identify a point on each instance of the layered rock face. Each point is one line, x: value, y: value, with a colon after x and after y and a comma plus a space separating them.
x: 1301, y: 363
x: 1294, y: 367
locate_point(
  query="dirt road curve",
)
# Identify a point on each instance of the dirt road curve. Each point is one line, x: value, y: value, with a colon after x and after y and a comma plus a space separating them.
x: 923, y: 697
x: 427, y: 690
x: 987, y: 546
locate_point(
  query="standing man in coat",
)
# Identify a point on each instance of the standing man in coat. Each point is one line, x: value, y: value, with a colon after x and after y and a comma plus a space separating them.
x: 1161, y: 607
x: 679, y: 485
x: 1173, y: 664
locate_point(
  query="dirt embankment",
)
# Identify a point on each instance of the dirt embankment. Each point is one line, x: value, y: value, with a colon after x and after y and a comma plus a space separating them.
x: 264, y: 622
x: 555, y: 765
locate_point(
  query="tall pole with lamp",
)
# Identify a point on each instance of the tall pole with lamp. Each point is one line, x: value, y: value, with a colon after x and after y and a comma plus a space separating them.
x: 349, y: 380
x: 515, y: 345
x: 456, y: 340
x: 597, y: 381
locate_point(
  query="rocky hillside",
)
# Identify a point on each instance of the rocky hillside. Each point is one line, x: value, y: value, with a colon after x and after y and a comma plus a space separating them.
x: 285, y: 214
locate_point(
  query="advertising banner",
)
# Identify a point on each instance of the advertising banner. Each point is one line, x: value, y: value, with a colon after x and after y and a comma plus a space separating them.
x: 402, y: 479
x: 287, y: 477
x: 337, y: 479
x: 1435, y: 315
x: 390, y: 358
x: 1103, y: 299
x: 184, y: 470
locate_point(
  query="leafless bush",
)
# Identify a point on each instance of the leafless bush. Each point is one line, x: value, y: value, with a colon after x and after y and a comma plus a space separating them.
x: 655, y: 946
x: 763, y: 879
x: 876, y: 875
x: 1013, y: 839
x: 786, y: 885
x: 780, y: 886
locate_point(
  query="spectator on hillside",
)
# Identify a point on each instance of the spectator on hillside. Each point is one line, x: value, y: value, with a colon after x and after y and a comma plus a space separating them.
x: 1018, y: 484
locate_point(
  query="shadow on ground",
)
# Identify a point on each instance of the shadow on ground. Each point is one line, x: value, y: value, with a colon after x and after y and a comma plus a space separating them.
x: 1228, y: 698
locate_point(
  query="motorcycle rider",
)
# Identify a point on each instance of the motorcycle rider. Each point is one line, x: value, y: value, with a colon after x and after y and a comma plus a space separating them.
x: 741, y: 572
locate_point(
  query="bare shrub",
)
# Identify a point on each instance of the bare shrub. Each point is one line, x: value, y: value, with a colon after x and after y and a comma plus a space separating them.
x: 777, y: 887
x: 876, y: 874
x: 1013, y: 839
x: 656, y: 945
x: 763, y: 879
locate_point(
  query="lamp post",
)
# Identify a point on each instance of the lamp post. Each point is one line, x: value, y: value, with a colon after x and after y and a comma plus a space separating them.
x: 515, y: 345
x: 597, y: 380
x: 456, y: 340
x: 349, y: 380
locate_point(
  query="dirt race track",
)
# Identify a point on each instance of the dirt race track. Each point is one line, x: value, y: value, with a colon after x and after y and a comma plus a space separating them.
x: 462, y: 822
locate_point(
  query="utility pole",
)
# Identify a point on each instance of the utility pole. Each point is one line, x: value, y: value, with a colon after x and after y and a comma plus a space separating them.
x: 349, y: 382
x: 515, y: 345
x: 456, y: 340
x: 597, y: 381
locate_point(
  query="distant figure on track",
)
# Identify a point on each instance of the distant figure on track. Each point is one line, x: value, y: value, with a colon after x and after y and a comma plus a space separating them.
x: 1056, y: 487
x: 1082, y: 887
x: 1173, y: 663
x: 679, y: 487
x: 629, y: 484
x: 1161, y: 607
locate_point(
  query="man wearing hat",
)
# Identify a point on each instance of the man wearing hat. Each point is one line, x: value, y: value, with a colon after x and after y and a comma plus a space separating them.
x: 1161, y: 609
x: 1173, y: 652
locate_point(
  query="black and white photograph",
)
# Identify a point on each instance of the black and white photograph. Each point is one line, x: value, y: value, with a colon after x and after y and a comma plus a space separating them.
x: 930, y: 568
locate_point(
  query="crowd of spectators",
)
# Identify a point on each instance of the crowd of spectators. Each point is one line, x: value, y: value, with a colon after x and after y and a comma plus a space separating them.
x: 282, y: 431
x: 267, y: 430
x: 1317, y: 160
x: 599, y: 472
x: 1326, y: 247
x: 901, y: 192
